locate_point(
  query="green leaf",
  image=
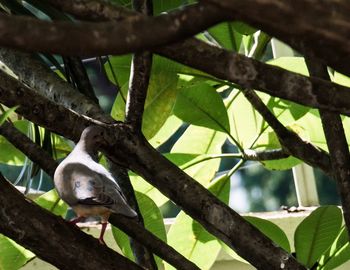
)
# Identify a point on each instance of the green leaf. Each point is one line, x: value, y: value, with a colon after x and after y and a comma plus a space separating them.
x: 52, y: 202
x: 190, y: 239
x: 316, y: 233
x: 294, y: 64
x: 225, y: 35
x: 240, y: 113
x: 171, y: 125
x: 338, y: 254
x: 271, y: 230
x: 161, y: 94
x: 12, y: 255
x: 199, y: 140
x: 6, y: 114
x: 153, y: 220
x: 201, y: 105
x: 9, y: 154
x: 243, y: 28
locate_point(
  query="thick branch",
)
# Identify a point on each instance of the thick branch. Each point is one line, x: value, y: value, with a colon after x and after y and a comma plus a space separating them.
x: 94, y: 39
x: 253, y: 74
x: 46, y: 162
x: 337, y: 145
x: 139, y: 76
x: 320, y: 30
x: 139, y: 79
x: 31, y: 226
x: 248, y: 73
x: 39, y: 77
x: 133, y: 151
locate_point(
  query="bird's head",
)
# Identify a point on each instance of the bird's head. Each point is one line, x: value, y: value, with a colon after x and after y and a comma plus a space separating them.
x: 92, y: 137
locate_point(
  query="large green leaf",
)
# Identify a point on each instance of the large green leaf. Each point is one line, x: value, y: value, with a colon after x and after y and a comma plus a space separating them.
x: 171, y: 125
x: 153, y: 220
x: 201, y: 141
x: 199, y: 104
x: 271, y: 230
x: 12, y: 255
x: 161, y: 94
x: 338, y: 254
x: 316, y: 233
x: 190, y: 239
x: 8, y: 153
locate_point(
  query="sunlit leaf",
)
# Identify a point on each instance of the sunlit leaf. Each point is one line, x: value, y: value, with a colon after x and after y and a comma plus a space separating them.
x: 12, y: 255
x: 6, y: 114
x: 199, y: 104
x: 52, y: 202
x: 9, y: 154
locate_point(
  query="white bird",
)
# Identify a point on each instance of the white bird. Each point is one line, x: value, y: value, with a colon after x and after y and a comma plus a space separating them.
x: 86, y: 185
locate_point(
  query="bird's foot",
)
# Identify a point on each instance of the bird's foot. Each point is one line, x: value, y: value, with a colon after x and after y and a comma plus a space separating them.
x: 102, y: 242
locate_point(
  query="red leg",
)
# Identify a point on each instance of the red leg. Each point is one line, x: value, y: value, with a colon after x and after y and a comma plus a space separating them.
x: 74, y: 221
x: 103, y: 229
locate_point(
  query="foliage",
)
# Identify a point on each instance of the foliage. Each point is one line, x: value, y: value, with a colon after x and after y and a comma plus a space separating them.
x: 192, y: 115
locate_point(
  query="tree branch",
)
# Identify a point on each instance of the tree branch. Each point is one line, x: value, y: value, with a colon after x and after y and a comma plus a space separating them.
x: 319, y: 31
x: 93, y: 39
x: 337, y: 145
x: 40, y: 78
x: 253, y: 74
x: 129, y: 150
x: 244, y: 71
x: 289, y: 140
x: 139, y: 79
x: 68, y: 247
x: 139, y: 76
x: 37, y: 154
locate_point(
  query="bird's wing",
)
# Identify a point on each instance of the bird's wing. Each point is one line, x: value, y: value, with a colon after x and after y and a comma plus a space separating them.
x: 96, y: 188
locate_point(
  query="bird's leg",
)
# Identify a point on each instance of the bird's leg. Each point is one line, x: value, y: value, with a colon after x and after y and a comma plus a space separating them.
x: 74, y: 221
x: 103, y: 229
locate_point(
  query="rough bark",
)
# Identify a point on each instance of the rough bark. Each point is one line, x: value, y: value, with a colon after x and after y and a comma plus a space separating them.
x: 321, y: 30
x: 337, y: 145
x: 289, y: 140
x: 31, y: 226
x: 132, y: 228
x: 131, y: 150
x: 252, y: 74
x: 94, y: 39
